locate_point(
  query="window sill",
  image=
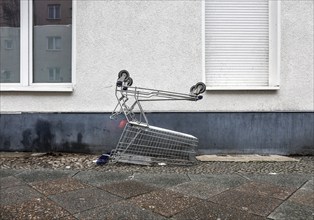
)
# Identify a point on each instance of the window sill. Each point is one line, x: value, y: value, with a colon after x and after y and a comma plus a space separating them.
x: 36, y: 88
x: 216, y: 88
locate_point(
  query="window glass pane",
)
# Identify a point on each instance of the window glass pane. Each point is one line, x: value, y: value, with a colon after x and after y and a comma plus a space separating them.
x: 50, y: 74
x: 57, y: 74
x: 57, y: 43
x: 50, y: 12
x: 54, y: 11
x: 57, y: 12
x: 9, y: 41
x: 8, y: 44
x: 52, y: 43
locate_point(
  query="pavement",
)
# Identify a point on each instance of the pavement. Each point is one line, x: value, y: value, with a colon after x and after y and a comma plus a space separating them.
x: 73, y: 194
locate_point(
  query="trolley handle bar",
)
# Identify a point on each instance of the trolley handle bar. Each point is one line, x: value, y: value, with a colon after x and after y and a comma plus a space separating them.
x: 194, y: 98
x: 148, y: 94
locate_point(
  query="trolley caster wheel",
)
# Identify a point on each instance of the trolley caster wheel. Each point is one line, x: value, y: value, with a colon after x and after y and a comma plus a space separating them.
x: 124, y: 73
x: 192, y: 89
x: 200, y: 87
x: 129, y: 81
x: 123, y: 76
x: 199, y: 97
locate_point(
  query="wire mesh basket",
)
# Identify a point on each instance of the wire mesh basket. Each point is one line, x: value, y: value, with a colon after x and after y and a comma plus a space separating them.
x: 142, y: 144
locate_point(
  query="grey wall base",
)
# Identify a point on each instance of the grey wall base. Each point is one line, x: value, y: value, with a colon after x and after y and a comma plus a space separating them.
x: 282, y: 133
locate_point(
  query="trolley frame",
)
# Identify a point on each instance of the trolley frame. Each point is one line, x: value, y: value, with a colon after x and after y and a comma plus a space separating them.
x: 141, y: 143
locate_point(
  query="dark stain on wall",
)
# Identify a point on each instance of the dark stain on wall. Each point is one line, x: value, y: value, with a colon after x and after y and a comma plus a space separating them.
x: 44, y: 139
x: 76, y: 146
x: 27, y: 139
x: 51, y: 132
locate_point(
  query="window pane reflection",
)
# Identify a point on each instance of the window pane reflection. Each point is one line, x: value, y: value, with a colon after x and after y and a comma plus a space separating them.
x: 9, y: 41
x: 52, y: 41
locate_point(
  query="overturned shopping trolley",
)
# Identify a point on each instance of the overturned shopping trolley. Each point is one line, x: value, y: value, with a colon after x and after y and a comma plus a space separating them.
x: 141, y: 143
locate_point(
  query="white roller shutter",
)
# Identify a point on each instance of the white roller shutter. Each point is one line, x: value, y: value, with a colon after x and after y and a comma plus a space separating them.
x: 237, y: 43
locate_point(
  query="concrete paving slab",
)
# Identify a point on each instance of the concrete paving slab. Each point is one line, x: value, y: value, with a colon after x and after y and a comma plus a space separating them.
x: 250, y: 202
x: 266, y: 189
x: 58, y: 186
x: 223, y: 180
x: 17, y: 194
x: 198, y: 189
x: 101, y: 178
x: 161, y: 180
x: 120, y: 210
x: 309, y: 185
x: 69, y: 217
x: 165, y: 202
x: 246, y: 158
x: 38, y: 208
x: 10, y: 181
x: 305, y: 195
x: 292, y: 211
x: 44, y: 175
x: 83, y: 199
x: 209, y: 210
x: 287, y: 180
x: 128, y: 189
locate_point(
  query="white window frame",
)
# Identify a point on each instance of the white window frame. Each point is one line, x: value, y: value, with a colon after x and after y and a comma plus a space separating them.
x: 274, y: 51
x: 26, y: 56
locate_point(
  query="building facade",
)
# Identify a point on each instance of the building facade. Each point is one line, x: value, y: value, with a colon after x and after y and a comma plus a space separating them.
x: 256, y: 58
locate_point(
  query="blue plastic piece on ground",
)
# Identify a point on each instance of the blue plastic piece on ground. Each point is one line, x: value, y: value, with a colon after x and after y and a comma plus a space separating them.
x: 103, y: 159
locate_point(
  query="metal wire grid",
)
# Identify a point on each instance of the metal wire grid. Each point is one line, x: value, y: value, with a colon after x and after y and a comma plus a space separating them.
x: 142, y: 144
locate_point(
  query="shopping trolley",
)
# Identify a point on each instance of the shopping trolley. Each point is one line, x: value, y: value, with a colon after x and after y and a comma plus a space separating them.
x: 141, y: 143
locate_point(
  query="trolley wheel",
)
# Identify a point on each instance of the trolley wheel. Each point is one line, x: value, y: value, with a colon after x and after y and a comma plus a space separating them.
x: 129, y: 81
x: 200, y: 87
x: 192, y: 89
x: 124, y: 73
